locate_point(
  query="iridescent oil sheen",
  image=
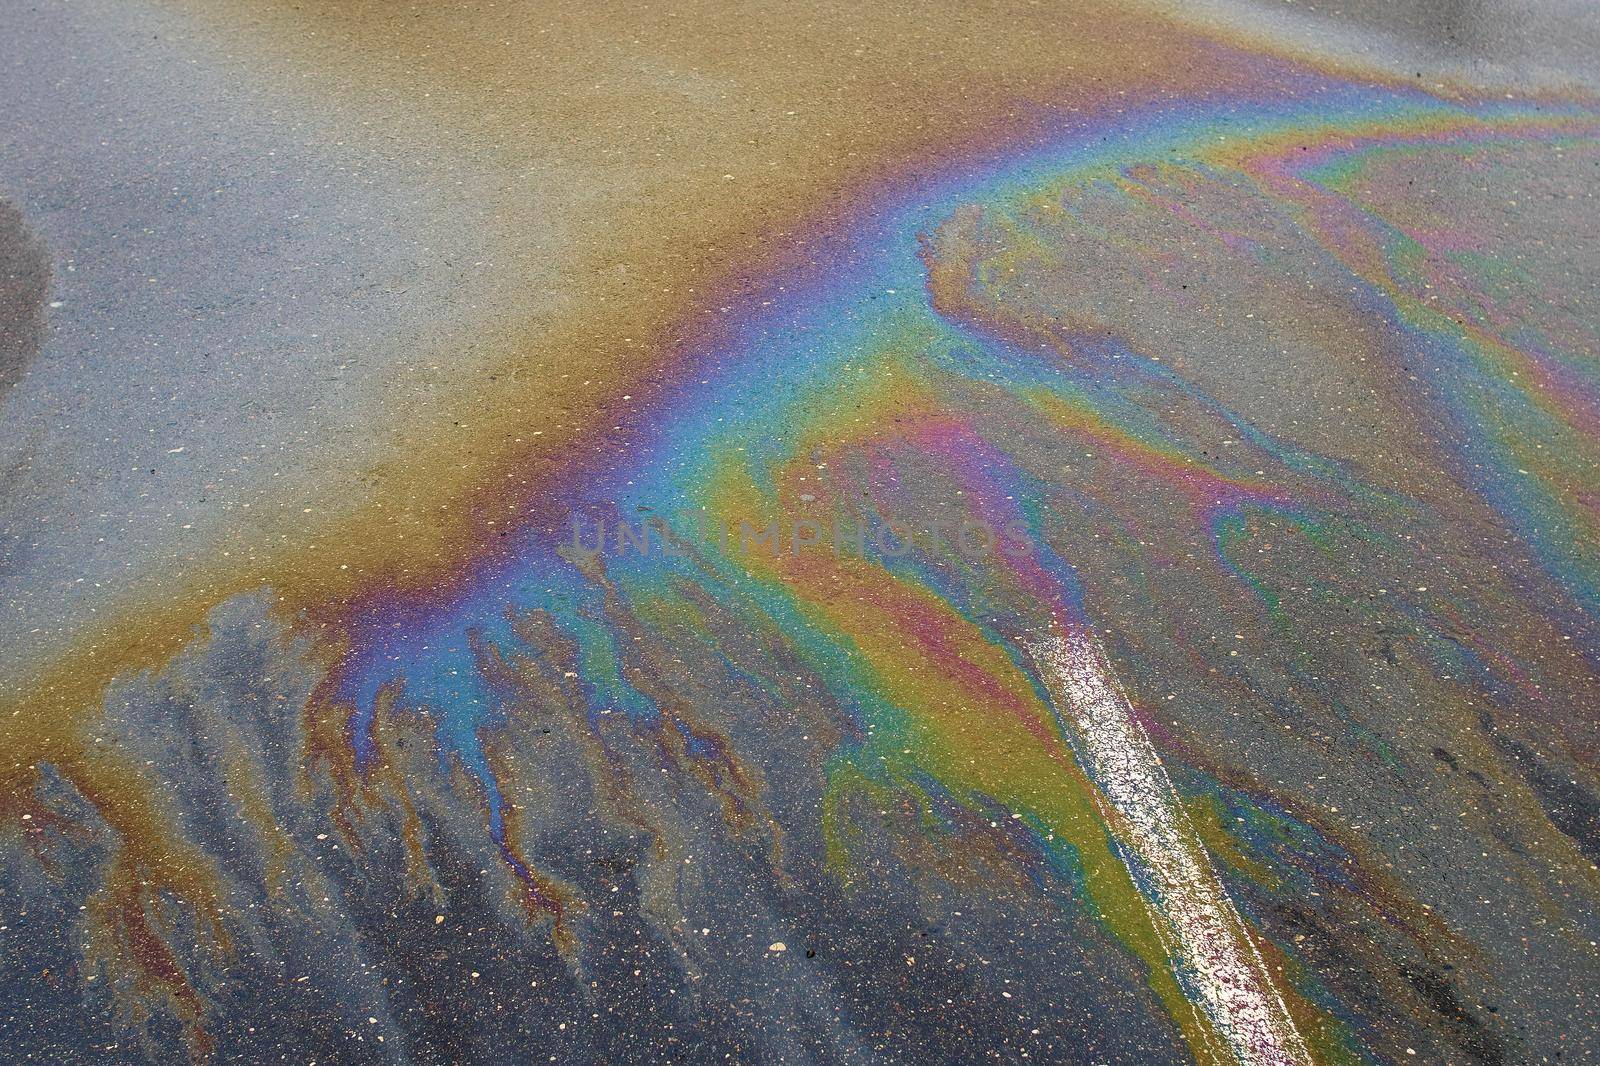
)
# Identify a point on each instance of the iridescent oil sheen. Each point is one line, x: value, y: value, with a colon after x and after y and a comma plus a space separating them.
x: 932, y: 370
x: 1272, y: 416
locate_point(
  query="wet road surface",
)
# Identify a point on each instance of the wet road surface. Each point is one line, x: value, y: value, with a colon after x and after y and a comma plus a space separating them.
x: 799, y: 533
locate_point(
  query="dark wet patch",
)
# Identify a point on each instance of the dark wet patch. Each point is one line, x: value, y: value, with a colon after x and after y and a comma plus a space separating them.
x: 1570, y: 807
x: 24, y: 280
x: 1479, y: 1043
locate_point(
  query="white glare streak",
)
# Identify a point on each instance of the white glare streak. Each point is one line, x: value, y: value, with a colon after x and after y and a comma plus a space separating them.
x: 1211, y: 950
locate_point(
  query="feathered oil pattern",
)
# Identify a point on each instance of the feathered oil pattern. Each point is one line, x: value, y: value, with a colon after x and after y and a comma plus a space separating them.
x: 1259, y: 462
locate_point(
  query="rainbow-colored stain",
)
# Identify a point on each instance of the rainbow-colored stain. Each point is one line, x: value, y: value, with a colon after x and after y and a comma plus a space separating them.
x: 929, y: 374
x: 1091, y: 502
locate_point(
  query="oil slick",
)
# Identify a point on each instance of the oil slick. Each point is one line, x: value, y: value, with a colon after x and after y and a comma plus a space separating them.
x: 1291, y: 439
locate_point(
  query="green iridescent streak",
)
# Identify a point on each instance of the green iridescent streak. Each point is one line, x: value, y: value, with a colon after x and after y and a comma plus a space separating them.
x: 1233, y: 531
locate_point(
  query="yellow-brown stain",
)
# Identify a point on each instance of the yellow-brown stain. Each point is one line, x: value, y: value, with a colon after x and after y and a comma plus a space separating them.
x: 679, y: 155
